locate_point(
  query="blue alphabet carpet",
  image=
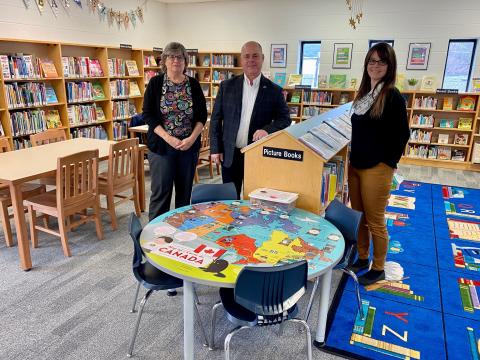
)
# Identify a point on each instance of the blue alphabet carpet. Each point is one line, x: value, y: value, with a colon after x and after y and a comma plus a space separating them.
x: 434, y: 312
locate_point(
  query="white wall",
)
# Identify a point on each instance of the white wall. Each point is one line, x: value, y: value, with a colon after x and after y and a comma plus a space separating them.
x: 227, y: 25
x: 80, y: 25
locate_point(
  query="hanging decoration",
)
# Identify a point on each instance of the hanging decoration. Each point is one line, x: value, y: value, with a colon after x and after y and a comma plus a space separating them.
x: 54, y: 6
x: 356, y: 12
x: 66, y: 4
x: 26, y: 3
x: 78, y: 2
x: 40, y: 5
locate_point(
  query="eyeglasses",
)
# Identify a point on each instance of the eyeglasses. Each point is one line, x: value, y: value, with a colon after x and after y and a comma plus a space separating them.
x: 377, y: 62
x: 176, y: 57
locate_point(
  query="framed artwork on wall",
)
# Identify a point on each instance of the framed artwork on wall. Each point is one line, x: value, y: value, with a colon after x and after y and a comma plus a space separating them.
x: 418, y: 54
x: 374, y: 42
x: 342, y: 55
x: 278, y: 55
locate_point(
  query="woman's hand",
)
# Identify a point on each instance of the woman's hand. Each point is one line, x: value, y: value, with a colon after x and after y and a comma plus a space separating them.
x: 186, y: 143
x: 173, y: 141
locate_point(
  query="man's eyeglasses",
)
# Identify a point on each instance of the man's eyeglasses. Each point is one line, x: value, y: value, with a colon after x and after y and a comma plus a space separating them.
x: 377, y: 62
x: 175, y: 57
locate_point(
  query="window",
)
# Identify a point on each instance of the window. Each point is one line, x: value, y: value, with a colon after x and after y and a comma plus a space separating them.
x: 458, y: 66
x: 310, y: 62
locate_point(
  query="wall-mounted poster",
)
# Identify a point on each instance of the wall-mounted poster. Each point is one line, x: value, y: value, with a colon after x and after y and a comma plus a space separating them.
x: 342, y: 56
x: 278, y: 56
x: 418, y: 54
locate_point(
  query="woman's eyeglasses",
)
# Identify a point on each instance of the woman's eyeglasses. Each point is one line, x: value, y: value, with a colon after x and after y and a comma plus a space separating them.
x: 176, y: 57
x: 377, y: 62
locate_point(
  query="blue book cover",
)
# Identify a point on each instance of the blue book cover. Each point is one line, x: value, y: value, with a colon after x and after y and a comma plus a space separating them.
x: 50, y: 94
x: 280, y: 78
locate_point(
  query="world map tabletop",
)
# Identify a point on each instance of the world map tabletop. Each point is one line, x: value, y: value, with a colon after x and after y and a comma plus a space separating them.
x: 210, y: 242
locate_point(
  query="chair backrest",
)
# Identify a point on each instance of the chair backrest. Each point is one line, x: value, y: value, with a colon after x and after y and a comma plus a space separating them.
x: 135, y: 229
x: 4, y: 145
x: 77, y: 176
x: 47, y: 137
x: 270, y: 291
x: 213, y: 192
x: 345, y: 219
x: 205, y: 137
x: 122, y: 163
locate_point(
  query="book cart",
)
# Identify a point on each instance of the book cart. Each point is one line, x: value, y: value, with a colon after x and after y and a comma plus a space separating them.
x: 282, y: 161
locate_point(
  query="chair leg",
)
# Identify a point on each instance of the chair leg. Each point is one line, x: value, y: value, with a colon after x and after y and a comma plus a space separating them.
x: 202, y: 329
x: 229, y: 337
x: 45, y: 218
x: 63, y: 236
x: 32, y: 218
x: 98, y: 223
x: 135, y: 299
x: 196, y: 176
x: 211, y: 343
x: 310, y: 301
x: 309, y: 336
x: 111, y: 210
x: 139, y: 317
x: 357, y: 291
x: 7, y: 229
x: 136, y: 199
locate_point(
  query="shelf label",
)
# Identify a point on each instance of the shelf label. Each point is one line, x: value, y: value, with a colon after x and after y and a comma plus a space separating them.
x: 157, y: 49
x: 125, y: 46
x: 192, y: 50
x: 447, y: 91
x: 285, y: 154
x: 303, y: 87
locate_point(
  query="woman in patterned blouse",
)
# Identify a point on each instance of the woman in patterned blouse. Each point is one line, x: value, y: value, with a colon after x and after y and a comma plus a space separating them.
x: 175, y: 110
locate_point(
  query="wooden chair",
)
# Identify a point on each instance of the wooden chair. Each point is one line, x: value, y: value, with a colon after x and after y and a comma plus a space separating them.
x: 204, y: 158
x: 47, y: 137
x: 77, y: 177
x: 121, y: 176
x: 28, y: 190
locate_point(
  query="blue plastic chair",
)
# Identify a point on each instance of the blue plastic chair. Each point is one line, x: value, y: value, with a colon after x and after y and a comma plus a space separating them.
x: 150, y: 278
x: 263, y: 296
x: 213, y: 192
x: 347, y: 221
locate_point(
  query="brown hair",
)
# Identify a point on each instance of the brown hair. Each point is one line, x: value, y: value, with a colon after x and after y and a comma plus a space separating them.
x: 173, y: 48
x: 386, y: 53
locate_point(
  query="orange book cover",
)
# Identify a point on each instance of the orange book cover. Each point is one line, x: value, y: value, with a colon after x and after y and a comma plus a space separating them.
x: 48, y: 68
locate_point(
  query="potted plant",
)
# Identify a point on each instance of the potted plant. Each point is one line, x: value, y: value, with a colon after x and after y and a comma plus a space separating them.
x: 412, y: 83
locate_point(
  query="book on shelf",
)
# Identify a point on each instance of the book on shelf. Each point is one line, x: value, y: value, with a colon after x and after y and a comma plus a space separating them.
x: 51, y: 97
x: 466, y: 103
x: 280, y: 78
x: 444, y: 153
x: 317, y: 145
x: 432, y: 152
x: 134, y: 89
x: 344, y: 98
x: 206, y: 75
x: 5, y: 67
x: 52, y: 117
x: 294, y: 111
x: 149, y: 60
x: 206, y: 60
x: 448, y: 103
x: 476, y: 84
x: 48, y: 68
x: 206, y: 89
x: 100, y: 114
x: 132, y: 68
x: 2, y: 133
x: 98, y: 93
x: 460, y: 139
x: 443, y: 138
x: 294, y: 79
x: 337, y: 81
x: 215, y: 90
x: 476, y: 153
x: 341, y: 126
x: 322, y: 81
x: 329, y: 135
x: 400, y: 81
x: 95, y: 69
x: 465, y: 123
x: 447, y: 123
x: 458, y: 155
x: 428, y: 83
x: 296, y: 96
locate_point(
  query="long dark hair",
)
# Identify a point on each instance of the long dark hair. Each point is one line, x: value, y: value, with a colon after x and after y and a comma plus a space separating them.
x: 386, y: 53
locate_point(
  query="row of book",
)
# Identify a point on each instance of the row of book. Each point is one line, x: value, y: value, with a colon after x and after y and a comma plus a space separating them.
x: 124, y: 88
x: 220, y: 75
x: 192, y: 59
x: 20, y: 66
x: 21, y: 143
x: 28, y: 122
x: 313, y: 110
x: 120, y: 130
x: 93, y: 132
x: 81, y: 91
x: 428, y: 121
x: 332, y: 179
x: 85, y: 114
x: 476, y: 153
x: 81, y: 66
x: 149, y: 74
x: 224, y: 60
x: 329, y: 137
x: 427, y: 137
x: 122, y: 67
x: 150, y: 60
x: 29, y: 94
x: 123, y: 110
x: 435, y: 152
x: 425, y: 102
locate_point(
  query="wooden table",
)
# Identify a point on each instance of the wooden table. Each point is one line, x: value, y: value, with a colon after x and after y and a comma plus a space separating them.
x: 20, y: 166
x: 209, y: 243
x: 141, y: 129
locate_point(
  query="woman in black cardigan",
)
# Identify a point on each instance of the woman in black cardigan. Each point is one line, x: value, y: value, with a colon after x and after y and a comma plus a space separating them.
x: 175, y: 111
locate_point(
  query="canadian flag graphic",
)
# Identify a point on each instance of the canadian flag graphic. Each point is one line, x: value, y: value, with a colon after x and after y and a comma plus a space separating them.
x: 209, y: 251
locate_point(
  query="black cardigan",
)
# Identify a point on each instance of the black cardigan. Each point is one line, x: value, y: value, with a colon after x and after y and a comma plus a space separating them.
x: 380, y: 140
x: 153, y: 116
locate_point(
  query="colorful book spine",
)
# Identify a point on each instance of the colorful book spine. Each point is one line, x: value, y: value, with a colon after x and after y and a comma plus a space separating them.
x: 465, y: 297
x: 473, y: 343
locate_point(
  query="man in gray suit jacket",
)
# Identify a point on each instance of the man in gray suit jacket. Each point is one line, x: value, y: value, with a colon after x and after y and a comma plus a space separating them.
x: 247, y: 108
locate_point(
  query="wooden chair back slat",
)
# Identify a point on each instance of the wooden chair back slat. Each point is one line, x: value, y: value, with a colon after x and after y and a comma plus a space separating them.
x: 122, y: 162
x: 77, y: 178
x: 205, y: 138
x: 47, y: 137
x: 4, y: 145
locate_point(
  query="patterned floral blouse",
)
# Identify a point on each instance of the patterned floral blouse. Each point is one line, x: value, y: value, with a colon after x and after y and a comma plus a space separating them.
x: 176, y: 106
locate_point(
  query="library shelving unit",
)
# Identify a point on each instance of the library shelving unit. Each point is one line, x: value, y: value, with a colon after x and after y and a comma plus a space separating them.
x: 224, y: 65
x: 443, y: 129
x: 306, y: 103
x: 151, y: 64
x: 297, y: 167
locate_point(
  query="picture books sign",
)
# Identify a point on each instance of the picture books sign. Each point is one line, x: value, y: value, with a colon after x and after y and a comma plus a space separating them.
x: 278, y: 56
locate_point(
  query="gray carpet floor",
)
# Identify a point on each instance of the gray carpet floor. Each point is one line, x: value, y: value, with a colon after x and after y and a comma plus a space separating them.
x: 78, y: 307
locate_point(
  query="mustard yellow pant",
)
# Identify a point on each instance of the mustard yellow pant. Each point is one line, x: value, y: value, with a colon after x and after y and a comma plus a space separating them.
x: 369, y: 191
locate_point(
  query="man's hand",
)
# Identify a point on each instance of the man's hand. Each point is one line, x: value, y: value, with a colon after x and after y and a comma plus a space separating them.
x: 186, y: 143
x: 217, y: 158
x: 257, y: 135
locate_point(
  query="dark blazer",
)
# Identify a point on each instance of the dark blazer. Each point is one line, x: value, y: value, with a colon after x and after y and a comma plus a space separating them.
x: 153, y: 116
x: 270, y: 113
